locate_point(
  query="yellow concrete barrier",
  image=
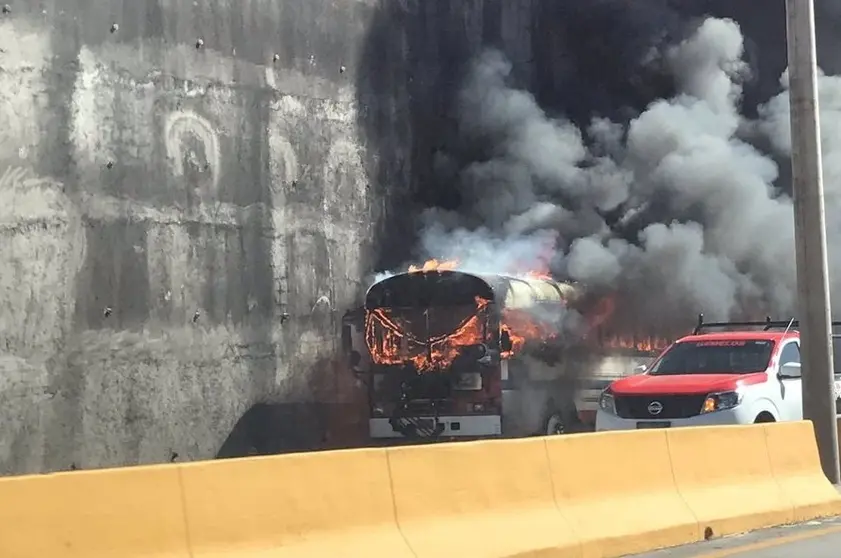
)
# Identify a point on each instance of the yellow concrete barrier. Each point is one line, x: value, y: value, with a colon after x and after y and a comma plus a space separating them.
x: 724, y: 475
x: 303, y: 505
x: 479, y: 500
x: 580, y: 496
x: 618, y: 490
x: 796, y: 467
x: 129, y: 513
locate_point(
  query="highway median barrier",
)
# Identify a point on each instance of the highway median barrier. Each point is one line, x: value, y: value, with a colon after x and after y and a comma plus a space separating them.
x: 618, y: 491
x: 724, y: 475
x: 796, y: 465
x: 131, y: 513
x: 482, y: 500
x: 600, y: 495
x: 303, y: 505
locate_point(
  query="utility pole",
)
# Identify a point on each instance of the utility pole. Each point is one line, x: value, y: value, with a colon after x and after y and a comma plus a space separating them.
x: 810, y: 235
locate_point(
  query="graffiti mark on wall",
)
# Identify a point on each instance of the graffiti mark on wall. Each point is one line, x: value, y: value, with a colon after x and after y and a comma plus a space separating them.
x: 344, y: 170
x: 192, y: 147
x: 42, y: 247
x: 28, y: 197
x: 284, y: 164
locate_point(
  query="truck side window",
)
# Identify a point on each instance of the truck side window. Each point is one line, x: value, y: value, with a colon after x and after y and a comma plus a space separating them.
x: 791, y: 353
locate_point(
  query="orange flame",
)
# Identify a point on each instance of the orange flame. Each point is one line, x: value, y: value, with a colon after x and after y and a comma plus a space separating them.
x: 434, y: 265
x: 642, y: 344
x: 391, y: 344
x: 601, y: 314
x: 450, y: 265
x: 545, y: 275
x: 523, y: 328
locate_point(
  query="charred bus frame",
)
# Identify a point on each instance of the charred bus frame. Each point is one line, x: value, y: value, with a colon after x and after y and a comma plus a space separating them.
x: 424, y: 401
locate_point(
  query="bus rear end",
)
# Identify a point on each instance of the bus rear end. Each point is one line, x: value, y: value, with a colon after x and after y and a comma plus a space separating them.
x: 428, y: 347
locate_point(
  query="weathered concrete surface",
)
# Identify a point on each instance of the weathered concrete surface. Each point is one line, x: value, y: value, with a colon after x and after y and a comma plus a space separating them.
x: 180, y: 227
x: 192, y: 192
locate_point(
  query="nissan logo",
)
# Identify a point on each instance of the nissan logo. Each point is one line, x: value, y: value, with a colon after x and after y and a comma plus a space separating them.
x: 655, y: 408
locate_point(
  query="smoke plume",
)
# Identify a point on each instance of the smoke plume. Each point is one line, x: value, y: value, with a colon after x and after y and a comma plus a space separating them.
x: 679, y: 210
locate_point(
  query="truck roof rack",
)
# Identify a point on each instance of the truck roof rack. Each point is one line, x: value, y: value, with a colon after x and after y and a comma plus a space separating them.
x: 766, y: 325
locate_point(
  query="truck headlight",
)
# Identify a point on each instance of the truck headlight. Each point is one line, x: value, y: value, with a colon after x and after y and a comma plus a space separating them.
x: 721, y: 401
x: 607, y: 403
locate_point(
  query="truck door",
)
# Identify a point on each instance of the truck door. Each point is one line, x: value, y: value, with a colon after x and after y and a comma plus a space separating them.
x: 791, y: 389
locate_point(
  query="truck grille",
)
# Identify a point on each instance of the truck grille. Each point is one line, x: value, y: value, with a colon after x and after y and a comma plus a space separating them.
x: 674, y: 406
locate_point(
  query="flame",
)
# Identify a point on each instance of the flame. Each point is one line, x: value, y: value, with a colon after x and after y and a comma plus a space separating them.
x: 434, y: 265
x: 643, y: 344
x: 545, y: 275
x: 523, y: 328
x: 599, y: 316
x: 532, y: 270
x: 391, y: 344
x: 450, y: 265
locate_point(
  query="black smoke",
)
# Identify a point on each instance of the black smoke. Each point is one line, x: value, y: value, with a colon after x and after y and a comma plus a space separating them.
x: 661, y: 175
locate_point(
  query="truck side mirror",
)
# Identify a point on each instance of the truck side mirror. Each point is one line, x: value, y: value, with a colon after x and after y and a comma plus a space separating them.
x: 640, y: 369
x: 355, y: 358
x: 790, y: 370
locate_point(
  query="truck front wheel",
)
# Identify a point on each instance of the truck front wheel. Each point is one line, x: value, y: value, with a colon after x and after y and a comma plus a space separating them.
x: 764, y: 416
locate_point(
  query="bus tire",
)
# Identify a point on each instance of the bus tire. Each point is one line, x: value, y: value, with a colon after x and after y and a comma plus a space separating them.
x: 556, y: 425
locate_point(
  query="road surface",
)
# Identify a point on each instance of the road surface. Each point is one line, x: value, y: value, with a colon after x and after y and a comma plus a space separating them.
x: 816, y: 539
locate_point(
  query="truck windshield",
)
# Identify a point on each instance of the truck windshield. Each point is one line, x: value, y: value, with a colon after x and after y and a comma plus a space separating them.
x: 714, y: 357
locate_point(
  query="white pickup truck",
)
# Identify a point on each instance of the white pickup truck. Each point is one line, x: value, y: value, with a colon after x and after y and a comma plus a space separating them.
x: 727, y: 377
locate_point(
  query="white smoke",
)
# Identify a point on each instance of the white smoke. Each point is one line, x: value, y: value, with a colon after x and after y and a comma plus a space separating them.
x: 703, y: 224
x: 480, y: 251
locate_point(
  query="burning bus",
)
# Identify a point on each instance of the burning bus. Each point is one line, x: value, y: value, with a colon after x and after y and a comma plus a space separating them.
x: 446, y: 354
